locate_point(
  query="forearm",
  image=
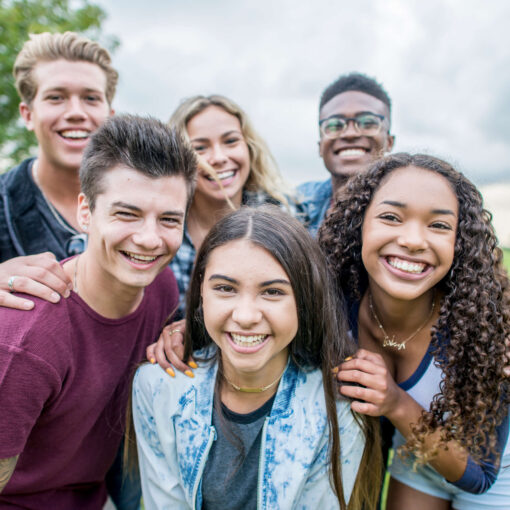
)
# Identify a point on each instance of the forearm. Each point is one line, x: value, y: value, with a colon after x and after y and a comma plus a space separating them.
x: 6, y: 470
x: 450, y: 460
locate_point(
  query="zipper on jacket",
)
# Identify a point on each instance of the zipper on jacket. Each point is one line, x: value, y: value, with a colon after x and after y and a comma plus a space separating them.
x: 212, y: 435
x: 261, y: 464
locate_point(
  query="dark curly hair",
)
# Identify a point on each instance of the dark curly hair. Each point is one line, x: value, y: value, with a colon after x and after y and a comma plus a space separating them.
x: 474, y: 313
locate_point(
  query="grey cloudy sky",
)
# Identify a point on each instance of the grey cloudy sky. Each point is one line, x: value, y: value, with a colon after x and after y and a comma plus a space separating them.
x: 445, y: 64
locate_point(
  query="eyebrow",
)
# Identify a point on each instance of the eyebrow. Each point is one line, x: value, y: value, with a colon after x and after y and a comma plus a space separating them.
x: 63, y: 89
x: 404, y: 206
x: 263, y: 284
x: 227, y: 133
x: 131, y: 207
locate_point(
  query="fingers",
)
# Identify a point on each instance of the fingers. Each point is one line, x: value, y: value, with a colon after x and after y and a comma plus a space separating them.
x: 38, y: 275
x: 168, y: 351
x: 9, y: 300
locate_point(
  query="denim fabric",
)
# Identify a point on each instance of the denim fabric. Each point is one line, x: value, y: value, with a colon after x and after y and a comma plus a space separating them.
x: 173, y: 422
x: 315, y: 197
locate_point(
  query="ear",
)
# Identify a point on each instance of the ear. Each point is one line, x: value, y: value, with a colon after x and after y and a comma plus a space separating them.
x: 319, y: 144
x: 26, y: 114
x: 83, y: 213
x: 390, y: 143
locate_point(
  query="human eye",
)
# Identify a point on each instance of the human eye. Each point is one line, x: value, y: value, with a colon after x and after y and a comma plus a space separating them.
x: 93, y: 98
x: 334, y: 125
x: 125, y: 215
x: 224, y: 288
x: 274, y: 292
x: 171, y: 221
x: 441, y: 225
x: 231, y: 140
x: 54, y: 97
x: 199, y: 147
x: 388, y: 216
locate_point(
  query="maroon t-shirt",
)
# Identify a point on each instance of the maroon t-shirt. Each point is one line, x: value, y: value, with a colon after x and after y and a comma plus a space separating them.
x: 65, y: 375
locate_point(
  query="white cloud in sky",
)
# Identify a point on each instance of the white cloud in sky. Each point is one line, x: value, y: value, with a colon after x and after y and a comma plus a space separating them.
x: 444, y: 63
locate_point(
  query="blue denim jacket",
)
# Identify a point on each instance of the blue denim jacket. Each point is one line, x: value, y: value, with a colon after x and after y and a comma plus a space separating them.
x: 316, y: 199
x: 174, y: 434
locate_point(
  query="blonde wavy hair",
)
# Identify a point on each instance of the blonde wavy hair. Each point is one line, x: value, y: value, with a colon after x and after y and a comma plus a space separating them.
x: 264, y: 174
x: 71, y: 46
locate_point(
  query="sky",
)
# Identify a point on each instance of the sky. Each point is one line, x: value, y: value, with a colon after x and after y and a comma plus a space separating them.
x: 444, y: 63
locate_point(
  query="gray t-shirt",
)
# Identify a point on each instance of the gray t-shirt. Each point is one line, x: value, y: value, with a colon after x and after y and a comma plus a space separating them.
x: 230, y: 476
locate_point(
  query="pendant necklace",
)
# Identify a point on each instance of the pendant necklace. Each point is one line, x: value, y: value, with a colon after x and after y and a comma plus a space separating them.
x: 390, y: 341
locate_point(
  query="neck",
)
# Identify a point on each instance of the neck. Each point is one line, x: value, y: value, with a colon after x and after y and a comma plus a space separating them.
x: 245, y: 402
x: 338, y: 182
x: 103, y: 293
x: 60, y: 186
x: 401, y: 317
x: 203, y: 215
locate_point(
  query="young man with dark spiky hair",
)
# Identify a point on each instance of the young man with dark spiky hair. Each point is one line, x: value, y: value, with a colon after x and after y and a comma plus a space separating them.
x: 354, y: 126
x: 65, y: 368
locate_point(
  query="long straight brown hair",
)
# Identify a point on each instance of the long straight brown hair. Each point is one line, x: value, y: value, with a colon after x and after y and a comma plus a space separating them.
x: 321, y: 341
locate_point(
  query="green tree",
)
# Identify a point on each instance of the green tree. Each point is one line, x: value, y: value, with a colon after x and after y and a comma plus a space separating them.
x: 18, y: 19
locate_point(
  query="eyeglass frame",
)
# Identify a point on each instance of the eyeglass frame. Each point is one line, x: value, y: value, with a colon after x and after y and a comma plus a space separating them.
x: 382, y: 118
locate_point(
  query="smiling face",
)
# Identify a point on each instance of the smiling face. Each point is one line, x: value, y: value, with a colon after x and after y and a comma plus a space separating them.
x: 70, y: 104
x: 249, y: 311
x: 135, y: 228
x: 352, y: 152
x: 217, y: 137
x: 409, y: 233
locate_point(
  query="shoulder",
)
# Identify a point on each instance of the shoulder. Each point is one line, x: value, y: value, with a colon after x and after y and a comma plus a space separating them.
x: 164, y: 285
x: 315, y: 190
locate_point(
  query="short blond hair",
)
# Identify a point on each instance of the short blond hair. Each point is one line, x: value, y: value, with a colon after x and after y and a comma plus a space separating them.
x: 47, y: 47
x: 264, y: 174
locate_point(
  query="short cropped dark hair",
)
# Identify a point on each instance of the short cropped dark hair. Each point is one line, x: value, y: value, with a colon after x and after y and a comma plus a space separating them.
x: 141, y: 143
x: 355, y: 81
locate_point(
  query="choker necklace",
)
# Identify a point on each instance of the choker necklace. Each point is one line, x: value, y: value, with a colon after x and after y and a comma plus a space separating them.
x: 244, y: 389
x: 391, y: 342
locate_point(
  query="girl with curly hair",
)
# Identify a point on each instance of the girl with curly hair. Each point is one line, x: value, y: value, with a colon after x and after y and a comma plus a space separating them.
x: 260, y: 425
x: 416, y: 256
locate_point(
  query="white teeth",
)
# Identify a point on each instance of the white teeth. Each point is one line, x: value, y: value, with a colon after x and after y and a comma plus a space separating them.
x: 408, y: 267
x: 352, y: 152
x: 140, y: 258
x: 222, y: 176
x: 247, y: 340
x: 75, y: 134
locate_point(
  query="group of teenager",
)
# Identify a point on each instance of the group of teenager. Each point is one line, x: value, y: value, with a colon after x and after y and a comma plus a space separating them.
x: 285, y: 339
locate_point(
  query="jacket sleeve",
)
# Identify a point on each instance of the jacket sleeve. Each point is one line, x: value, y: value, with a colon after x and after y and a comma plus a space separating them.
x: 478, y: 478
x: 157, y: 454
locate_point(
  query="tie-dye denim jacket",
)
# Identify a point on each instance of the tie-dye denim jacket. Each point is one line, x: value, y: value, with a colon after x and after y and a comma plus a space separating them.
x: 173, y: 417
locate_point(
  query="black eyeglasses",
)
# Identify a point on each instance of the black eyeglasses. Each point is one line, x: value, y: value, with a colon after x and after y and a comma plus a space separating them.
x: 368, y: 124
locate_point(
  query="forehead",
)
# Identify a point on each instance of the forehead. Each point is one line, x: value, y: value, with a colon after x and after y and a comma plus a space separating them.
x: 244, y: 261
x: 212, y: 120
x: 351, y: 103
x: 65, y: 74
x: 123, y: 184
x: 417, y: 186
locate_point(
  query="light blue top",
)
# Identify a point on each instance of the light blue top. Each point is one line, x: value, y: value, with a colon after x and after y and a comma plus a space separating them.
x: 315, y: 197
x: 174, y: 434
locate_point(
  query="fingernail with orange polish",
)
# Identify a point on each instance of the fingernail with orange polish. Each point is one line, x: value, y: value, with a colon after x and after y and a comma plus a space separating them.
x: 170, y: 372
x: 153, y: 360
x: 192, y: 364
x: 334, y: 370
x: 189, y: 373
x: 348, y: 358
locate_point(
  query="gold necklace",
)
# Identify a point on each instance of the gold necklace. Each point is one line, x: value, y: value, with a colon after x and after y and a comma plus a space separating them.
x: 244, y: 389
x: 391, y: 342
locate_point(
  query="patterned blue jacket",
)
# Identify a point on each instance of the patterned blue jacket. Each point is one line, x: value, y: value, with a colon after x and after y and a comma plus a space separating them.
x: 174, y: 434
x: 315, y: 197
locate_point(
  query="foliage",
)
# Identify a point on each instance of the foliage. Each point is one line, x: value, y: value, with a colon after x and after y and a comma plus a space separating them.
x: 18, y: 19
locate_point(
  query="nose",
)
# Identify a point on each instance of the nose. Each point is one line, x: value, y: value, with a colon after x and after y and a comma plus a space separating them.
x: 217, y: 156
x: 74, y: 109
x: 147, y: 237
x: 246, y: 312
x: 413, y: 237
x: 351, y: 130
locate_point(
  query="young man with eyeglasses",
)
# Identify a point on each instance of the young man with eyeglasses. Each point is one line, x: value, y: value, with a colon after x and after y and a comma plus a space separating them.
x: 354, y: 124
x: 66, y: 84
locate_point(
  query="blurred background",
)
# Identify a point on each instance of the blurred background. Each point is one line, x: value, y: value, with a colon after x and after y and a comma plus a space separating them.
x: 445, y: 64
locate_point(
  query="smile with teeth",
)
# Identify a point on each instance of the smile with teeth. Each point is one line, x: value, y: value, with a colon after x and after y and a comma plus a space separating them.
x: 75, y: 134
x: 247, y: 340
x: 352, y: 151
x: 405, y: 265
x: 222, y: 175
x: 144, y: 259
